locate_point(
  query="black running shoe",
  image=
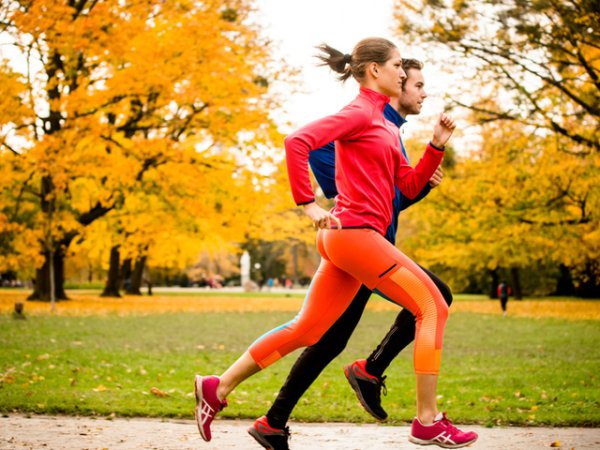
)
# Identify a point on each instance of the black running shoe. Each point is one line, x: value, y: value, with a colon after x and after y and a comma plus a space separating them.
x: 367, y: 388
x: 269, y: 437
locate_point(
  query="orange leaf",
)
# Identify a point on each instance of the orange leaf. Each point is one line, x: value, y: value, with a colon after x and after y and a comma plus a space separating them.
x: 156, y: 391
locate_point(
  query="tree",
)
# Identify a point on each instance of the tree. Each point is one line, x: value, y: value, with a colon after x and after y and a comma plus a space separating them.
x: 529, y: 75
x: 518, y: 202
x: 541, y: 57
x: 279, y: 231
x: 116, y: 91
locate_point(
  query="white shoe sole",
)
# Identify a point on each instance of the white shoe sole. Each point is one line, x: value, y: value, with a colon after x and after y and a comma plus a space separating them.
x: 199, y: 398
x: 418, y: 441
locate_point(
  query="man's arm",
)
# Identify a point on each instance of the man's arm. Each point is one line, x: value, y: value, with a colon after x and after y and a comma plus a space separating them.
x: 322, y: 164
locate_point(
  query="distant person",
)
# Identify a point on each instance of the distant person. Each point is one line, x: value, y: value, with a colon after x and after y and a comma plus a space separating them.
x: 503, y: 294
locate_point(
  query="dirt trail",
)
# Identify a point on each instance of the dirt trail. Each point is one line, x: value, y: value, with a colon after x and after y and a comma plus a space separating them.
x: 18, y: 432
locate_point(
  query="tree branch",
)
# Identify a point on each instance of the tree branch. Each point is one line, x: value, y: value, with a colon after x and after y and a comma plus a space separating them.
x: 3, y: 143
x: 517, y: 60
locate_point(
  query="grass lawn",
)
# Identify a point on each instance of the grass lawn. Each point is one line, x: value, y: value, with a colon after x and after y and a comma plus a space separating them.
x: 496, y: 370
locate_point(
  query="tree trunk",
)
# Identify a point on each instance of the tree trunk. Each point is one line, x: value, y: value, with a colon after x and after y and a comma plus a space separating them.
x: 41, y: 290
x: 136, y: 277
x: 111, y: 289
x: 148, y: 282
x: 125, y: 275
x: 295, y: 270
x: 516, y: 283
x: 495, y: 280
x: 564, y: 284
x: 589, y: 285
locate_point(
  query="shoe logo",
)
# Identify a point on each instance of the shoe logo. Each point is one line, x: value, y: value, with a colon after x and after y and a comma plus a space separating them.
x: 206, y: 412
x: 359, y: 373
x: 263, y: 429
x: 444, y: 438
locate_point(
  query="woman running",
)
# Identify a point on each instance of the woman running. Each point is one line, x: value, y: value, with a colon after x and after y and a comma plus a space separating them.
x: 351, y: 239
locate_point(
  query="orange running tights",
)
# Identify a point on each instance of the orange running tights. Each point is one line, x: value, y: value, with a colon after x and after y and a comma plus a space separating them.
x: 351, y: 257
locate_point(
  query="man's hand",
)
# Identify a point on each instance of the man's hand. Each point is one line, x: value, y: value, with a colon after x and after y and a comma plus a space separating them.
x: 442, y: 130
x: 436, y: 178
x: 320, y: 217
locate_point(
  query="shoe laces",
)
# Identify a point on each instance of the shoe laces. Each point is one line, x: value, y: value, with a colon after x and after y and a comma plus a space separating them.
x: 381, y: 385
x: 446, y: 422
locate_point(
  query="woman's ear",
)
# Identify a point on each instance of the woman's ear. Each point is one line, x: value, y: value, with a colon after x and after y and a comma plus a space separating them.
x: 373, y: 70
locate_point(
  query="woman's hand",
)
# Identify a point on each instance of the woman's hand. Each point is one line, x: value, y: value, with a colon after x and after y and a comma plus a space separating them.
x: 320, y: 217
x: 442, y: 130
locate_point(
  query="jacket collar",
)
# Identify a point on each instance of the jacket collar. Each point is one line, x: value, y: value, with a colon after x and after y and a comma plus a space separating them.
x: 393, y: 116
x: 377, y: 98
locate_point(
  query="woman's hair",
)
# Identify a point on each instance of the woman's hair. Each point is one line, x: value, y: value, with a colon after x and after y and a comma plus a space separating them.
x: 368, y: 50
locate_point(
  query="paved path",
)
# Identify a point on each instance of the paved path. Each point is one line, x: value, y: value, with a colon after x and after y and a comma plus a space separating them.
x: 77, y: 433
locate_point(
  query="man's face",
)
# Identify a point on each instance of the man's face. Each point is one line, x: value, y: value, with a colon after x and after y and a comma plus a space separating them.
x: 413, y: 94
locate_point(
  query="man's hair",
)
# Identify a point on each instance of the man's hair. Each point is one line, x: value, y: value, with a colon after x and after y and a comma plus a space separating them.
x: 409, y: 63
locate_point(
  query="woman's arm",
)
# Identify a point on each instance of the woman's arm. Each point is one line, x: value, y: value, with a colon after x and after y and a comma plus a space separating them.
x: 343, y: 124
x: 348, y: 122
x: 411, y: 181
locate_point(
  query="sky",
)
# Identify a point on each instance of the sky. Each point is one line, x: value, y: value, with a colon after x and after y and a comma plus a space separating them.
x: 296, y: 27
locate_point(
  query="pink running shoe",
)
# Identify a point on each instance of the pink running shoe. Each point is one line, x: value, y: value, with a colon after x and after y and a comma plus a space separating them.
x: 207, y: 403
x: 441, y: 433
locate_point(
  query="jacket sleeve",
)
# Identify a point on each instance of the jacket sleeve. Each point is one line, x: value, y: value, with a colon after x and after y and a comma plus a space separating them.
x: 344, y: 124
x: 407, y: 202
x: 412, y: 181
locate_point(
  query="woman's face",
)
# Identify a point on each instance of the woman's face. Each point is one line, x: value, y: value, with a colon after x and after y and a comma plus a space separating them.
x: 390, y: 75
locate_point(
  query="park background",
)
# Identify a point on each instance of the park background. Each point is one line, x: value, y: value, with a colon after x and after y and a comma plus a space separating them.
x: 141, y: 144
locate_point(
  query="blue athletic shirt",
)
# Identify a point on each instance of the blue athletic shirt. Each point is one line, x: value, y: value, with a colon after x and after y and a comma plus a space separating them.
x: 322, y: 163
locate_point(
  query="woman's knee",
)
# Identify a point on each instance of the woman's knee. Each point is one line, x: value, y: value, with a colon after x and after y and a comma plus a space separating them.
x: 307, y: 340
x: 442, y: 309
x: 438, y: 308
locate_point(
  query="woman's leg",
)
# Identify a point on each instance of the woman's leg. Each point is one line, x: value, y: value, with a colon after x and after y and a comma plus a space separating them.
x: 401, y: 333
x: 431, y: 311
x: 371, y: 259
x: 330, y: 293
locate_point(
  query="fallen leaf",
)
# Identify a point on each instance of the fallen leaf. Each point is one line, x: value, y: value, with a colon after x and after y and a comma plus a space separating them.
x: 156, y: 391
x: 555, y: 444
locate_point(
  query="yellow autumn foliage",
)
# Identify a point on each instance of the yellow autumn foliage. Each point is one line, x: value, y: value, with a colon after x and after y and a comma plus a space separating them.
x: 150, y: 116
x: 83, y: 304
